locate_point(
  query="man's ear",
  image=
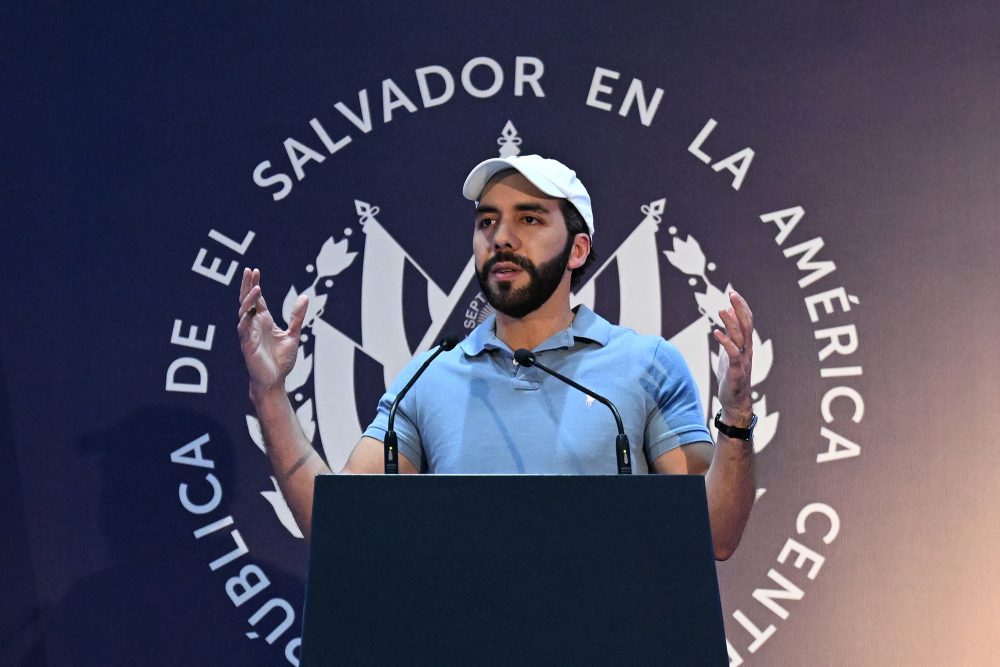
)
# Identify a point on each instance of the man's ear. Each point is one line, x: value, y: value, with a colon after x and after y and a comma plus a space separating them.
x: 580, y: 252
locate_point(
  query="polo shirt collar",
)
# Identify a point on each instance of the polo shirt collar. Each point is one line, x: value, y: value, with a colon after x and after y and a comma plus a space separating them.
x: 587, y: 325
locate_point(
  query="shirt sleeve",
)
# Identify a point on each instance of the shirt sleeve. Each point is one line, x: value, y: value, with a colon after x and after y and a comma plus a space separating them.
x: 676, y: 416
x: 406, y: 423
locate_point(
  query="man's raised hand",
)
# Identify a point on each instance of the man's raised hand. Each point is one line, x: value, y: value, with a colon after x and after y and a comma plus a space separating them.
x: 735, y: 364
x: 269, y: 351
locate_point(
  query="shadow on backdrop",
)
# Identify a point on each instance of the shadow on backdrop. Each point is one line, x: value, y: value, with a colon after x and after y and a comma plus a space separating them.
x: 158, y: 602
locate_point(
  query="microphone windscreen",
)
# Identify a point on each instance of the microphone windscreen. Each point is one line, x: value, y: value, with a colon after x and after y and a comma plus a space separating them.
x: 448, y: 343
x: 524, y: 357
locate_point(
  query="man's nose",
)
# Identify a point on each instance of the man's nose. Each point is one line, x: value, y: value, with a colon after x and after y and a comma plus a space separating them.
x: 505, y: 236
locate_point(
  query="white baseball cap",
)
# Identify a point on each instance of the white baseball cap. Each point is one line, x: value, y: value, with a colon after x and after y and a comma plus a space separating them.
x: 550, y: 176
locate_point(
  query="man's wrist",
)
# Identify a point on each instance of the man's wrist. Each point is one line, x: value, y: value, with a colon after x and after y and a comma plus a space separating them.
x: 729, y: 430
x: 262, y: 398
x: 736, y: 418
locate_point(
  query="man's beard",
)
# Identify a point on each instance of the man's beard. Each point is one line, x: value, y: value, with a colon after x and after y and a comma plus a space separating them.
x: 542, y: 282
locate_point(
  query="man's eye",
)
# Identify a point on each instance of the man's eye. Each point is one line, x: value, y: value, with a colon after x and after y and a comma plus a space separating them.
x: 486, y: 222
x: 531, y: 220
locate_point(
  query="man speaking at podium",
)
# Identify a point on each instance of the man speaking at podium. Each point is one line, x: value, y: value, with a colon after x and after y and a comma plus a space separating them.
x: 477, y: 410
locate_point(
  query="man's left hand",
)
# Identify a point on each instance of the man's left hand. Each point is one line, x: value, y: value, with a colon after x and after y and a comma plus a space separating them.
x: 735, y: 362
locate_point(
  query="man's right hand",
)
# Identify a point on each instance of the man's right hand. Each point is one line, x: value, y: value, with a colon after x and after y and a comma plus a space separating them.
x: 268, y: 350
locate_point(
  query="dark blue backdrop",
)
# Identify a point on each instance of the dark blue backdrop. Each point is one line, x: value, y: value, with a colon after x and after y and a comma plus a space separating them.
x: 133, y: 132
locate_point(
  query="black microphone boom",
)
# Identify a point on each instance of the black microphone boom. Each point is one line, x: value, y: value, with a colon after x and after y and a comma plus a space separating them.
x: 527, y: 359
x: 390, y: 444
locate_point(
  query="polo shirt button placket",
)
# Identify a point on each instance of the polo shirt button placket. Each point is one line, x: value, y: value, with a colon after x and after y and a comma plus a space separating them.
x: 523, y: 377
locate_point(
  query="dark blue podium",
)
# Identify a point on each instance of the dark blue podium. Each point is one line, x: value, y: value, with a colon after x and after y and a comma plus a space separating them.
x: 525, y: 570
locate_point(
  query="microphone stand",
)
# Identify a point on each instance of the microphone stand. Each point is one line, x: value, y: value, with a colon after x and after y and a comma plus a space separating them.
x: 527, y: 359
x: 390, y: 444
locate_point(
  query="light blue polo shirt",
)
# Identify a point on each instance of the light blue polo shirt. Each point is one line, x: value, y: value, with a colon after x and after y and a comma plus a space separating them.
x: 476, y: 411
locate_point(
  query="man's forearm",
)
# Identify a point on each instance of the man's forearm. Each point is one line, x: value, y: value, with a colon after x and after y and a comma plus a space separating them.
x: 730, y: 485
x: 294, y: 461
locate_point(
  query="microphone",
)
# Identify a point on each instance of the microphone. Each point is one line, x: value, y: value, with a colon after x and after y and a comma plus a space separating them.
x: 391, y: 449
x: 527, y: 359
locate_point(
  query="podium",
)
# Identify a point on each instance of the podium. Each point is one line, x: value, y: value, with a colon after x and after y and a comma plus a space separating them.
x: 502, y: 570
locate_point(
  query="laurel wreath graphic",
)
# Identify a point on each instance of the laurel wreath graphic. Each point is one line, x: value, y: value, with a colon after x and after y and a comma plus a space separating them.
x: 333, y: 258
x: 687, y: 257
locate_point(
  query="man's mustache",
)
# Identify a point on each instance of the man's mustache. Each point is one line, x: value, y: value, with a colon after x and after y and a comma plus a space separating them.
x: 511, y: 258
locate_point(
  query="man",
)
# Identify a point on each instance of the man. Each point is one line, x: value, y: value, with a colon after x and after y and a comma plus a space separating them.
x: 476, y: 410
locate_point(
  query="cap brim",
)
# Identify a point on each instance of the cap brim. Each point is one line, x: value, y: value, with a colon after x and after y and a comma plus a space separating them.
x: 484, y: 171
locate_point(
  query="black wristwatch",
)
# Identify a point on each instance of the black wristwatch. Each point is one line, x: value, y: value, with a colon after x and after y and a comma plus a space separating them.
x: 732, y: 431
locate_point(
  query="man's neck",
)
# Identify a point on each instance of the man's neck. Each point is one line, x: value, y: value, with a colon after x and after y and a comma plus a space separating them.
x: 537, y: 326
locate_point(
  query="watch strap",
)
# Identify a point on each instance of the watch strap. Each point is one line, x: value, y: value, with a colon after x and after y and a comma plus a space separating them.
x: 733, y: 431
